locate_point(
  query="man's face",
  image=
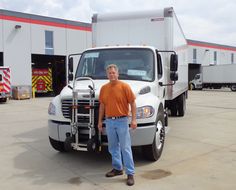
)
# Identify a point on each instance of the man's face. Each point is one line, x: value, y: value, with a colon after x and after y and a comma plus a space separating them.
x: 112, y: 74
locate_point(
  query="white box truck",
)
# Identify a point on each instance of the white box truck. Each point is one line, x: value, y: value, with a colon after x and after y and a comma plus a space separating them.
x: 145, y: 46
x: 215, y: 77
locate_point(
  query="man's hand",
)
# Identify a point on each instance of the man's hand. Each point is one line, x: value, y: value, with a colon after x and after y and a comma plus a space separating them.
x: 133, y: 124
x: 100, y: 126
x: 100, y: 116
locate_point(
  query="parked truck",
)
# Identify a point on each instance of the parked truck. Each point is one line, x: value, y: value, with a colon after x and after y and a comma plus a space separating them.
x: 5, y: 83
x: 42, y: 80
x: 145, y: 46
x: 215, y: 77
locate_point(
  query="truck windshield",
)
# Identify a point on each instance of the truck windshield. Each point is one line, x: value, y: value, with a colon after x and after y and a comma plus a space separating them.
x: 133, y: 64
x: 197, y: 77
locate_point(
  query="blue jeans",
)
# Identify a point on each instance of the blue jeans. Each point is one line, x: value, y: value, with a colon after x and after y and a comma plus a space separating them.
x: 119, y: 144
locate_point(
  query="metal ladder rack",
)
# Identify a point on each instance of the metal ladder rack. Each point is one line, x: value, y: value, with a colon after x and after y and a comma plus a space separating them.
x: 76, y: 126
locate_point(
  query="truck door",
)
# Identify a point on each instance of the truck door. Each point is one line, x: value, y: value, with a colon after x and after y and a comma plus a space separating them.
x: 159, y: 67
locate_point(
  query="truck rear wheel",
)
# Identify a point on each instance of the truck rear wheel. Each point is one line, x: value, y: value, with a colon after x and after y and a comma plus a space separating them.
x: 153, y: 151
x: 57, y: 145
x: 181, y: 105
x: 173, y: 109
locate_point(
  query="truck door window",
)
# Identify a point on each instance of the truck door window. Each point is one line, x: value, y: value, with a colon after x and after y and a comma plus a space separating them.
x: 159, y: 65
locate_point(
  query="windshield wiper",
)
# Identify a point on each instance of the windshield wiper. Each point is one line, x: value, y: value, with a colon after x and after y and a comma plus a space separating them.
x: 90, y: 76
x: 123, y: 76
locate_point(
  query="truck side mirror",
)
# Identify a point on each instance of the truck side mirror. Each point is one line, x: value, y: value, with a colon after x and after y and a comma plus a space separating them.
x: 70, y: 65
x: 173, y: 62
x: 173, y: 76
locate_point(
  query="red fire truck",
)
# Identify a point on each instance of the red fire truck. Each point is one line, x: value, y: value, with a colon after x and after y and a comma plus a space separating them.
x: 42, y: 80
x: 5, y: 83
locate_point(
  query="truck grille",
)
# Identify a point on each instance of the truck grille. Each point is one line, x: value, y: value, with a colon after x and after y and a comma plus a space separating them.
x: 67, y: 110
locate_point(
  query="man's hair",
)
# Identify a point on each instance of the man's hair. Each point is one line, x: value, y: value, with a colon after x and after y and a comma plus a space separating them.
x: 112, y: 66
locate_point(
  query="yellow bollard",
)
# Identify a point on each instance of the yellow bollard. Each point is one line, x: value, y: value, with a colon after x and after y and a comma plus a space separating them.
x: 33, y: 92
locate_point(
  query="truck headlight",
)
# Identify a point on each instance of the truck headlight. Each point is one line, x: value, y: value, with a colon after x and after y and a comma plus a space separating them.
x: 144, y: 112
x: 51, y: 109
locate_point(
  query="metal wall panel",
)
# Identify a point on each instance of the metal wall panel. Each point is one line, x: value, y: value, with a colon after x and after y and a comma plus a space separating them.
x: 17, y: 54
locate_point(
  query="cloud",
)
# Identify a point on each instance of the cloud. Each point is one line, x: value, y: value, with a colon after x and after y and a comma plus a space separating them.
x: 212, y: 21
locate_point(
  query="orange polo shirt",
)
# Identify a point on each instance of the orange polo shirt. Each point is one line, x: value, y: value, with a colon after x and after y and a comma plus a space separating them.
x: 116, y: 98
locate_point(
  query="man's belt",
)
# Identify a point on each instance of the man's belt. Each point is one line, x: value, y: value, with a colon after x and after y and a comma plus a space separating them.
x: 116, y: 117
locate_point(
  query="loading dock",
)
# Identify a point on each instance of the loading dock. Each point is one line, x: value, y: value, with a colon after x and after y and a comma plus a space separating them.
x: 51, y: 73
x: 38, y: 42
x: 193, y: 69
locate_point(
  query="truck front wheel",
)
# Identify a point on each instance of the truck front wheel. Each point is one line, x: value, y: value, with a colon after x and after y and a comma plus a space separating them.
x: 57, y: 145
x: 153, y: 151
x: 3, y: 100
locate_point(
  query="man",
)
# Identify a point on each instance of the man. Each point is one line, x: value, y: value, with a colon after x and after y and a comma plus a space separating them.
x: 115, y: 98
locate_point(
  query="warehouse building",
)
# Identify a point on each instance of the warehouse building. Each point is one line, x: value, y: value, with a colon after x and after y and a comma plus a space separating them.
x: 204, y: 53
x: 38, y: 45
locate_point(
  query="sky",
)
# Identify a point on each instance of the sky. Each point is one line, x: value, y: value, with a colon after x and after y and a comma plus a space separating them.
x: 211, y: 21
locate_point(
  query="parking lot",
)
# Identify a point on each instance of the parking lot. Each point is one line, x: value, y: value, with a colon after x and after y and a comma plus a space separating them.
x: 199, y: 152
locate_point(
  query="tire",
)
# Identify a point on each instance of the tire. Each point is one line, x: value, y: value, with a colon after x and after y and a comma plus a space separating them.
x: 57, y: 145
x: 181, y: 105
x: 173, y: 109
x: 91, y: 145
x: 153, y: 151
x: 233, y: 88
x: 3, y: 100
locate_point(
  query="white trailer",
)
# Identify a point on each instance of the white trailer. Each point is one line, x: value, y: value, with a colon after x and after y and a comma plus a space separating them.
x: 215, y: 76
x: 157, y: 28
x: 143, y: 45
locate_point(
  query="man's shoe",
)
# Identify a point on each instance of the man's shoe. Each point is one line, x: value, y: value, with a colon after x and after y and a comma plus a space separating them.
x: 114, y: 173
x: 130, y: 180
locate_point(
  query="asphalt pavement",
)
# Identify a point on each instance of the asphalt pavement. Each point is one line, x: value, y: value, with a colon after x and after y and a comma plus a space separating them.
x: 199, y: 151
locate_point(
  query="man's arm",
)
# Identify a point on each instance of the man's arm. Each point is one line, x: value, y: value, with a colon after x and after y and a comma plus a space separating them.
x: 101, y: 115
x: 133, y: 124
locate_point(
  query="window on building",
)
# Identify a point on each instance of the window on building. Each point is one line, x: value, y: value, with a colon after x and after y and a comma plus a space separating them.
x: 49, y: 50
x: 232, y: 58
x: 1, y: 58
x: 215, y: 57
x: 194, y: 55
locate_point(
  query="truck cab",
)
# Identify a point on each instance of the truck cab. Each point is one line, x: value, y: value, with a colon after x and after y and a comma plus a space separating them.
x: 196, y: 83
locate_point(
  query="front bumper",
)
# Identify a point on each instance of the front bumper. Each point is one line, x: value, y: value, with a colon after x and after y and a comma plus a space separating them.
x: 142, y: 135
x: 57, y: 130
